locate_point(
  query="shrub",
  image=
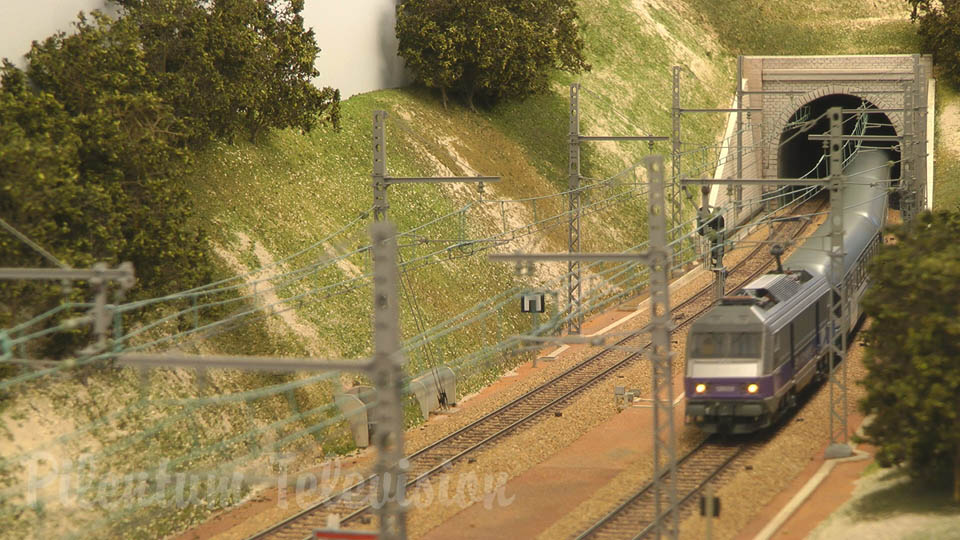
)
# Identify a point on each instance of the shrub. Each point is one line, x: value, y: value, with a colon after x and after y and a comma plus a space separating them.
x: 491, y: 49
x: 97, y: 133
x: 939, y: 29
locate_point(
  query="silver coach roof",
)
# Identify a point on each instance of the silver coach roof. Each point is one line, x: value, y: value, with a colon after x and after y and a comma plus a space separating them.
x: 865, y: 195
x: 861, y: 201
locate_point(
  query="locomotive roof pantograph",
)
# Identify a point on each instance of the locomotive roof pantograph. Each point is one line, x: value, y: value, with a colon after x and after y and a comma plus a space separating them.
x: 774, y: 287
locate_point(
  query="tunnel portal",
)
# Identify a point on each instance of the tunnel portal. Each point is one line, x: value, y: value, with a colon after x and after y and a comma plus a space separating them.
x: 800, y: 157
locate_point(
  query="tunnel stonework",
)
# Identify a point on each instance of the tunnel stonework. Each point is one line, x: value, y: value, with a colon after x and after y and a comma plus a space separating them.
x: 788, y: 83
x: 866, y: 77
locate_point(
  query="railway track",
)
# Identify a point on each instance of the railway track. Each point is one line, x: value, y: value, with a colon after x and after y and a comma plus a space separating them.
x: 354, y: 502
x: 634, y: 518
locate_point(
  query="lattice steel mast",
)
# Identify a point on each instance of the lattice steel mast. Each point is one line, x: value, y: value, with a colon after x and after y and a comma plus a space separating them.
x: 575, y: 194
x: 658, y: 258
x: 839, y: 309
x: 574, y: 278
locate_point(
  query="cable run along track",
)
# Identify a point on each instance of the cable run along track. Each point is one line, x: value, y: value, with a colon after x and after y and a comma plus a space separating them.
x: 355, y: 501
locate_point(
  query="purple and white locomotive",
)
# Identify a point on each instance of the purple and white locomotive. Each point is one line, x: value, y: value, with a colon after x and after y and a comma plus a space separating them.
x: 749, y: 355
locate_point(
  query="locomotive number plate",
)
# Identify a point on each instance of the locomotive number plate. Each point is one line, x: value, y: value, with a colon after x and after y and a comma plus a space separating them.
x: 725, y: 388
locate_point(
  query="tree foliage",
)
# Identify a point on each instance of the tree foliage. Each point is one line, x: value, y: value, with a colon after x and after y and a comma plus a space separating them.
x: 90, y: 168
x: 97, y: 134
x: 939, y: 29
x: 491, y: 49
x: 233, y: 66
x: 913, y: 358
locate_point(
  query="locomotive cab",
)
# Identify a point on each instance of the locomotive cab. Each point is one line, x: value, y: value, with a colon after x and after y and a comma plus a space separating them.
x: 725, y: 384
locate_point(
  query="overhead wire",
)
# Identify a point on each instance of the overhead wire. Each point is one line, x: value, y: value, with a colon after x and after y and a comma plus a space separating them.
x: 624, y: 269
x: 33, y: 245
x: 622, y: 172
x: 309, y: 429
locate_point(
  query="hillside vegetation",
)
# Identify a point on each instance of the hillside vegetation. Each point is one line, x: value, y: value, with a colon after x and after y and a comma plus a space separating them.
x: 289, y: 214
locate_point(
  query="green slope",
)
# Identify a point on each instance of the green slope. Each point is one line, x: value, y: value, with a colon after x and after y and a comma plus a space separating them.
x: 295, y: 188
x: 266, y: 203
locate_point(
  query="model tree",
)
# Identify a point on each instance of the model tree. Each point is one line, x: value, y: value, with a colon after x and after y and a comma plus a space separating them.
x: 939, y: 29
x: 233, y: 66
x: 98, y: 133
x: 913, y: 358
x: 489, y: 49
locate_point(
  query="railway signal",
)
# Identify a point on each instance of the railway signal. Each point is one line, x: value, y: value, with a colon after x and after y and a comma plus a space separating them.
x: 533, y: 303
x: 711, y: 224
x: 839, y: 310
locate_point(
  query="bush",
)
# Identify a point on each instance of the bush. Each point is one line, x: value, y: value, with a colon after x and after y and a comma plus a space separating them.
x: 491, y: 49
x: 97, y: 133
x: 913, y: 378
x: 233, y: 66
x: 939, y: 29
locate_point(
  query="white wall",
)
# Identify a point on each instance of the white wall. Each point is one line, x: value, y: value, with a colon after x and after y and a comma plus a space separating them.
x: 358, y: 44
x: 25, y: 21
x: 356, y: 37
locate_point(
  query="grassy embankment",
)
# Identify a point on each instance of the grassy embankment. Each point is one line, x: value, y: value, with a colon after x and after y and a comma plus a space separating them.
x: 294, y: 188
x: 265, y: 202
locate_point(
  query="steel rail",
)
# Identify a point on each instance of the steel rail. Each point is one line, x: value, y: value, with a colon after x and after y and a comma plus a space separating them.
x: 702, y: 484
x: 703, y: 446
x: 627, y: 505
x: 356, y: 507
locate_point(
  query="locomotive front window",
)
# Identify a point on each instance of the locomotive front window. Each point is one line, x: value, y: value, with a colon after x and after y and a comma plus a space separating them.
x: 745, y: 345
x: 725, y: 345
x: 709, y: 345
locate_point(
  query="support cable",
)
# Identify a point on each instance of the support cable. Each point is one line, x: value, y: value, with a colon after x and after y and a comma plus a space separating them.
x: 33, y: 245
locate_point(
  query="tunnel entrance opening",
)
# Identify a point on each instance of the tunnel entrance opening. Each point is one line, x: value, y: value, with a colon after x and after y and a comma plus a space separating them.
x: 799, y: 157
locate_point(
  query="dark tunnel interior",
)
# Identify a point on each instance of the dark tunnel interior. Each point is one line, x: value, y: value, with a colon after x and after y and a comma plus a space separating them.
x: 798, y: 155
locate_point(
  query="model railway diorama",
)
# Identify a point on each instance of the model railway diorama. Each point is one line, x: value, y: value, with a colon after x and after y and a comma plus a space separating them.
x: 234, y: 311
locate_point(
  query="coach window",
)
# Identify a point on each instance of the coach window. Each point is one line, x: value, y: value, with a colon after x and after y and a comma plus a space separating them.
x: 804, y: 325
x: 782, y: 347
x: 817, y: 321
x: 793, y: 344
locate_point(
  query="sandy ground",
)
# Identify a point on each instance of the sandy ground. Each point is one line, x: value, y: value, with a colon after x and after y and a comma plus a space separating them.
x: 868, y: 515
x: 949, y: 131
x: 859, y: 500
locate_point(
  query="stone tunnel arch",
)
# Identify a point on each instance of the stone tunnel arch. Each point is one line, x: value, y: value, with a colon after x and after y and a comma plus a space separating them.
x: 826, y: 94
x: 796, y: 155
